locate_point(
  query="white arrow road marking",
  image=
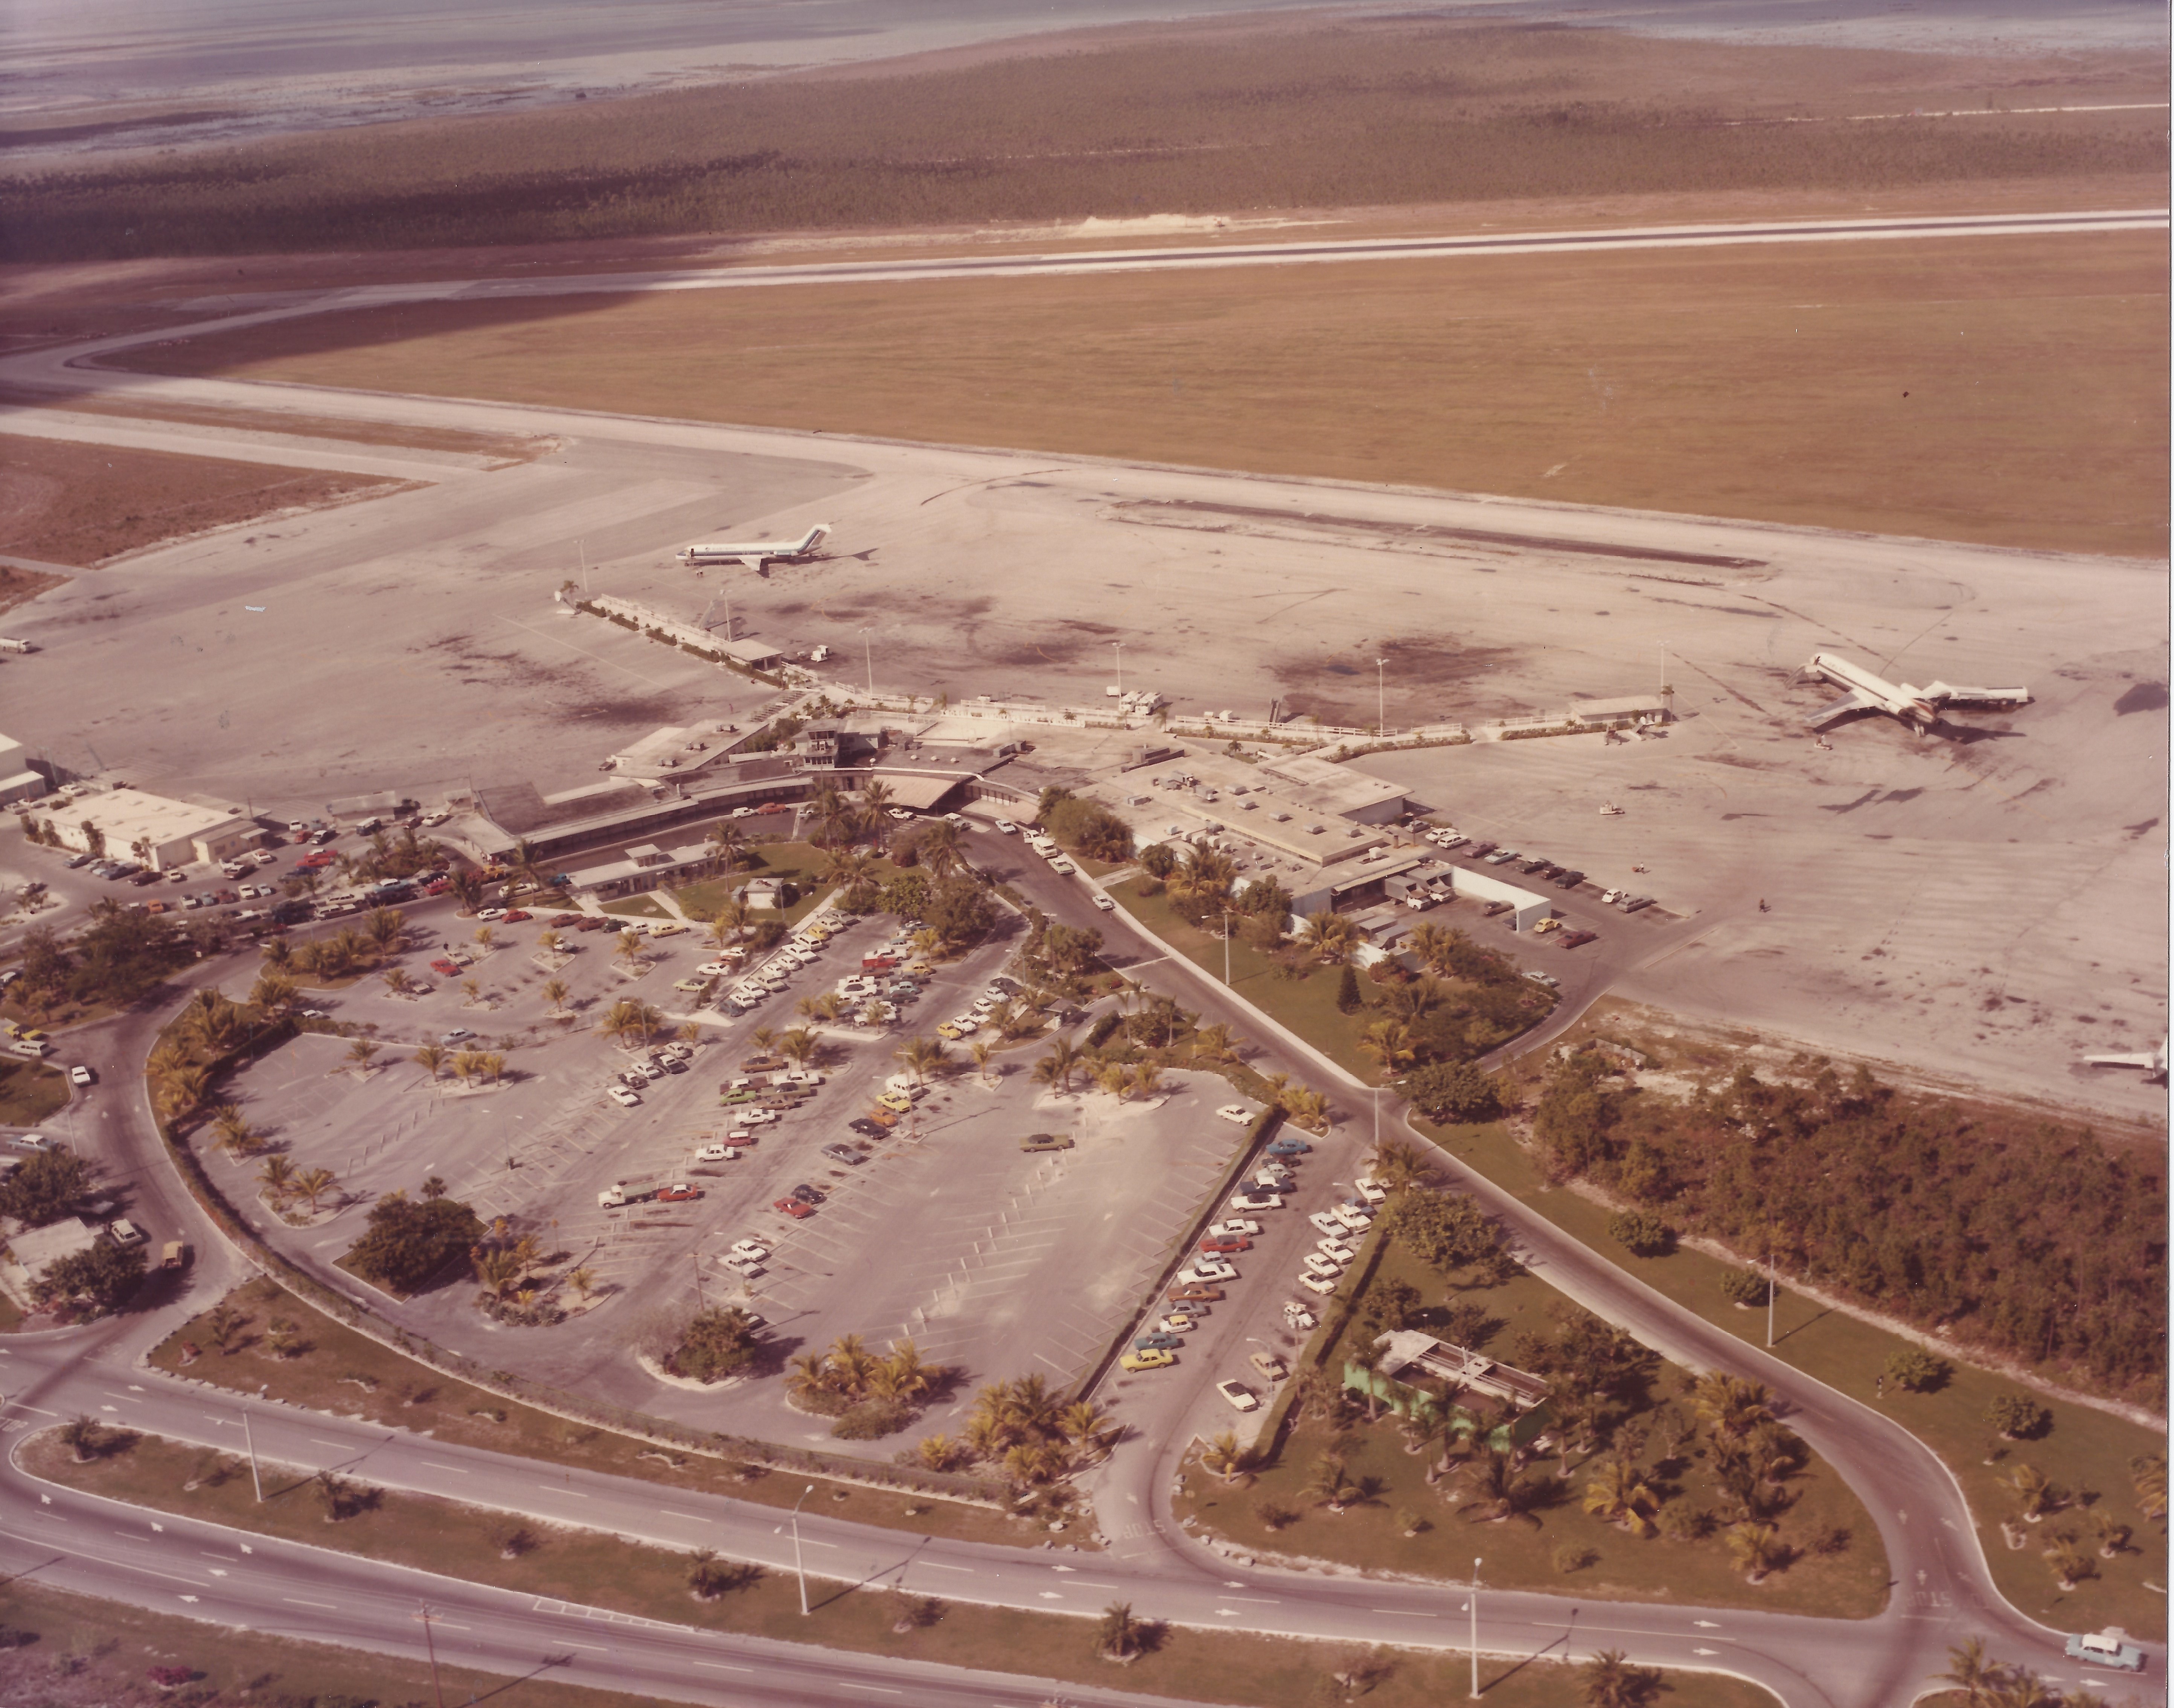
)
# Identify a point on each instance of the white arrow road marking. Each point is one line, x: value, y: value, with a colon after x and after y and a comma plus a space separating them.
x: 1050, y: 1595
x: 188, y: 1597
x: 216, y: 1571
x: 1706, y: 1651
x: 160, y: 1528
x: 1706, y: 1624
x: 246, y: 1549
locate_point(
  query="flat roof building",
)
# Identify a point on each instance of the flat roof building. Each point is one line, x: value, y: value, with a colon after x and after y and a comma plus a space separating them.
x: 162, y: 832
x: 1335, y: 790
x: 18, y: 781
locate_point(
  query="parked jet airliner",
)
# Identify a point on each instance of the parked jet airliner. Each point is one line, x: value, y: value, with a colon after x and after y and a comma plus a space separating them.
x: 1918, y: 707
x: 755, y: 553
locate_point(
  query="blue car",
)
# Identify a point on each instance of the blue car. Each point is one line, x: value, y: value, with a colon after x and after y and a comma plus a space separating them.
x: 1157, y: 1342
x: 1290, y: 1147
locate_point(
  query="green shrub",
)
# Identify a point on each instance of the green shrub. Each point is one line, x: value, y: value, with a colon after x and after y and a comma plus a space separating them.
x: 1745, y: 1287
x: 1645, y: 1232
x: 1917, y: 1369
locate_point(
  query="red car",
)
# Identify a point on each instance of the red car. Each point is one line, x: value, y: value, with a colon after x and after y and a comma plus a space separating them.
x: 446, y: 969
x: 794, y: 1209
x: 514, y: 916
x: 437, y: 886
x: 323, y: 857
x: 677, y: 1194
x: 773, y: 807
x: 559, y: 921
x: 1229, y: 1243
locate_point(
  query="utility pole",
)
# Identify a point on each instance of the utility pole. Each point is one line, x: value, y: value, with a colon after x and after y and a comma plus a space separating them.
x: 1226, y: 947
x: 701, y: 1303
x: 868, y: 657
x: 1118, y: 647
x: 1770, y: 1286
x: 431, y: 1648
x: 1381, y: 697
x: 799, y: 1570
x: 1475, y: 1630
x: 249, y: 1435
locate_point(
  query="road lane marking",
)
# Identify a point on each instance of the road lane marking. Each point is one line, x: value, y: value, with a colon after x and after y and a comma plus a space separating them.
x: 293, y: 1601
x: 571, y: 1644
x: 1399, y: 1613
x: 938, y: 1565
x: 458, y: 1470
x: 719, y: 1667
x: 852, y: 1685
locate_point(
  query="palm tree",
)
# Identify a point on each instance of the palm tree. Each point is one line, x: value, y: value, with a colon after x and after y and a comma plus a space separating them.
x: 1500, y: 1487
x: 2034, y: 1492
x: 629, y: 1023
x: 725, y: 841
x: 1214, y: 1044
x: 981, y: 1050
x: 939, y: 848
x: 2112, y: 1534
x: 1397, y: 1165
x: 1223, y: 1457
x: 800, y: 1046
x: 234, y: 1133
x: 922, y: 1057
x: 491, y: 1064
x: 547, y: 940
x: 430, y: 1058
x: 1389, y: 1043
x: 471, y: 989
x: 497, y: 1268
x: 1331, y: 1484
x: 728, y: 923
x: 467, y: 1064
x: 279, y: 953
x: 1619, y: 1495
x: 1756, y: 1549
x: 583, y: 1281
x: 1084, y: 1423
x: 1971, y: 1672
x: 386, y: 926
x: 396, y: 980
x: 277, y: 1177
x: 183, y: 1090
x: 314, y: 1184
x: 1731, y: 1407
x: 628, y: 948
x: 1204, y: 879
x: 2069, y: 1564
x: 1057, y: 1065
x: 1146, y: 1079
x: 1329, y: 937
x: 2147, y: 1478
x: 1610, y: 1681
x: 273, y: 993
x: 467, y: 885
x: 359, y: 1052
x: 1119, y: 1634
x: 909, y: 1376
x: 555, y: 993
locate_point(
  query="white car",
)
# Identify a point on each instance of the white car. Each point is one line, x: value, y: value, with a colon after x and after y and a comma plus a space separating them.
x: 1236, y: 1113
x: 744, y: 812
x: 758, y: 1118
x: 1335, y: 1250
x: 1240, y: 1396
x: 899, y: 813
x: 1322, y: 1284
x: 716, y: 1153
x: 625, y: 1098
x: 749, y: 1266
x: 751, y: 1248
x: 1209, y: 1269
x: 1104, y: 903
x: 1064, y: 868
x: 1298, y: 1316
x: 1006, y: 828
x: 1372, y: 1191
x: 1357, y: 1219
x: 1327, y: 1223
x: 967, y: 1023
x: 1236, y: 1229
x: 1324, y: 1267
x: 1256, y: 1201
x: 81, y: 1075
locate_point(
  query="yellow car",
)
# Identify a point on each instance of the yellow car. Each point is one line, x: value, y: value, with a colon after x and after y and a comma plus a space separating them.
x: 895, y: 1100
x: 919, y: 970
x: 947, y: 1030
x: 816, y: 933
x: 1148, y: 1358
x: 1548, y: 925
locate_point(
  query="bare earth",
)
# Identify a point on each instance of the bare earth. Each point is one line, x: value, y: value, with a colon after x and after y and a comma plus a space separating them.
x: 67, y: 504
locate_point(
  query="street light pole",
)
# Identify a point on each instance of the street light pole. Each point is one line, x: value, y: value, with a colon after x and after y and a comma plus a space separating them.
x: 1381, y: 697
x: 1475, y: 1630
x: 1226, y: 947
x: 868, y: 657
x: 431, y: 1647
x: 799, y: 1570
x: 249, y: 1436
x: 1770, y: 1288
x: 1118, y: 647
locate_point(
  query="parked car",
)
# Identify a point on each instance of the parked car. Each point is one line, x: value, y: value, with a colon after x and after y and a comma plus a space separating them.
x: 1323, y: 1285
x: 1271, y: 1368
x: 457, y: 1035
x: 81, y: 1075
x: 809, y: 1195
x: 1209, y: 1269
x: 1236, y: 1113
x: 1157, y: 1342
x: 1224, y: 1243
x: 1241, y: 1397
x: 716, y: 1153
x: 1045, y: 1141
x: 1236, y: 1226
x: 678, y: 1192
x: 1150, y: 1358
x: 794, y: 1207
x: 1289, y: 1146
x: 1575, y: 940
x: 1256, y: 1201
x: 845, y: 1153
x: 625, y: 1098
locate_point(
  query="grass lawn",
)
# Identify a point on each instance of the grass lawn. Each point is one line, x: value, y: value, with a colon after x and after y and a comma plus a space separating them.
x: 116, y: 1645
x: 637, y: 907
x: 601, y: 1571
x: 801, y: 864
x: 352, y: 1375
x: 31, y: 1091
x: 1562, y: 1547
x: 1307, y: 1004
x: 2085, y: 1452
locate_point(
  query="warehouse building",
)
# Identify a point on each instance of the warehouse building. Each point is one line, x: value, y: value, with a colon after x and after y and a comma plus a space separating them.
x: 128, y: 823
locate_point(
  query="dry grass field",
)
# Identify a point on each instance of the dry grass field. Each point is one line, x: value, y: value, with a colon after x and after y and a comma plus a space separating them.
x: 81, y: 504
x: 2009, y: 391
x: 1217, y: 117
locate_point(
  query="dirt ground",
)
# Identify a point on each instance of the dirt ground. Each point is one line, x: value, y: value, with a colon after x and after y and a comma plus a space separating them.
x: 2009, y: 391
x: 83, y: 505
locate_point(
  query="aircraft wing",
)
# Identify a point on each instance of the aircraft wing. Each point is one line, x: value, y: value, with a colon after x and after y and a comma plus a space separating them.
x: 1944, y: 692
x: 1857, y: 702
